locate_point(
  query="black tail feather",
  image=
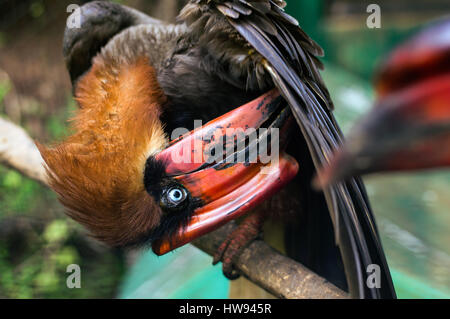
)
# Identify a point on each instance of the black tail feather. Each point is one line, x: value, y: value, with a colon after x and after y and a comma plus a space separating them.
x: 291, y: 61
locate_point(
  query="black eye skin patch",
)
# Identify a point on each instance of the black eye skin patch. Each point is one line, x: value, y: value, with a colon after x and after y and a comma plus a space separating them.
x: 155, y: 178
x: 156, y: 183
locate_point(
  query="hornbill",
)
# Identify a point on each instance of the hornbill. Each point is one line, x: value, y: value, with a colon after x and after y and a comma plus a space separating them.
x: 231, y: 64
x: 409, y: 126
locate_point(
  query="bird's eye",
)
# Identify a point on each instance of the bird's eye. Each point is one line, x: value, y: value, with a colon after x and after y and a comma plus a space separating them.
x: 174, y: 197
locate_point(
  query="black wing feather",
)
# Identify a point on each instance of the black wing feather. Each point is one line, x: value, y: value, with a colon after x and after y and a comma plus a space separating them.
x: 292, y: 62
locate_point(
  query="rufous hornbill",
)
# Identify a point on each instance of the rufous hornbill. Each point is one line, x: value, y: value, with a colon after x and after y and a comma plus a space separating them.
x: 409, y: 126
x: 231, y: 64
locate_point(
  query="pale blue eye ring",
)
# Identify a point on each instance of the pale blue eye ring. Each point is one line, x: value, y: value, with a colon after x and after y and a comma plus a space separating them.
x: 176, y: 195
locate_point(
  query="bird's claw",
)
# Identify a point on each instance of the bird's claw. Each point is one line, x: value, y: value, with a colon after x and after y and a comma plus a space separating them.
x: 230, y: 250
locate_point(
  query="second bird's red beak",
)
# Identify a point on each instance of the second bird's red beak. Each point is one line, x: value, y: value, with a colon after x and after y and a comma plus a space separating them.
x: 408, y: 128
x: 228, y: 186
x: 405, y: 131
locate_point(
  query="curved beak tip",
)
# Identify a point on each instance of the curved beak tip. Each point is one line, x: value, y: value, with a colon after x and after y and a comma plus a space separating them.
x: 319, y: 181
x: 325, y: 177
x: 341, y: 167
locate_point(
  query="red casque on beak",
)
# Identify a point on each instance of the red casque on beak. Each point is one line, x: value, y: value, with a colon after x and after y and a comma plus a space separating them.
x: 227, y: 188
x: 424, y: 56
x: 409, y: 130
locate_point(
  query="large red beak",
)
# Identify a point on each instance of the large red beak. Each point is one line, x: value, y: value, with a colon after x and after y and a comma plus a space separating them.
x: 409, y: 127
x: 233, y: 182
x: 424, y: 56
x: 406, y: 131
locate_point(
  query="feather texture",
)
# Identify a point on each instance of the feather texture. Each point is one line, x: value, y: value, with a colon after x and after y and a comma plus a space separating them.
x: 97, y: 172
x: 290, y: 57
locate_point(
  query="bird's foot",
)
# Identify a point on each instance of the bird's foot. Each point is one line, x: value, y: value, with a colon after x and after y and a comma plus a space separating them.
x: 240, y: 238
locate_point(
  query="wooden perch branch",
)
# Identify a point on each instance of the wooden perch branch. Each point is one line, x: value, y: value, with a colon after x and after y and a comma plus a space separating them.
x: 276, y: 273
x: 18, y: 151
x: 261, y: 264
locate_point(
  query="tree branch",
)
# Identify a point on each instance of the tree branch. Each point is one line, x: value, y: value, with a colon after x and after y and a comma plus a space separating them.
x: 272, y: 271
x: 18, y: 151
x: 261, y: 264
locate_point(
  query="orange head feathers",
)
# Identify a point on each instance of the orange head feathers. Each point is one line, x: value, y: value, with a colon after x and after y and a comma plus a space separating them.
x: 98, y: 172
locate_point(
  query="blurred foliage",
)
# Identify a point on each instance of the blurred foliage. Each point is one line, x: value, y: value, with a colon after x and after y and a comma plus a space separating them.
x: 5, y: 86
x: 361, y: 51
x: 37, y: 9
x: 37, y: 268
x: 37, y: 242
x: 56, y: 124
x: 339, y: 26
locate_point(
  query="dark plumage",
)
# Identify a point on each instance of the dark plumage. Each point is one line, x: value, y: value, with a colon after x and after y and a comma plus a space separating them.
x: 221, y: 55
x: 289, y: 56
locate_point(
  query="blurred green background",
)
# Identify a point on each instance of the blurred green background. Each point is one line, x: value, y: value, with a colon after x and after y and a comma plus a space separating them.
x: 37, y: 241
